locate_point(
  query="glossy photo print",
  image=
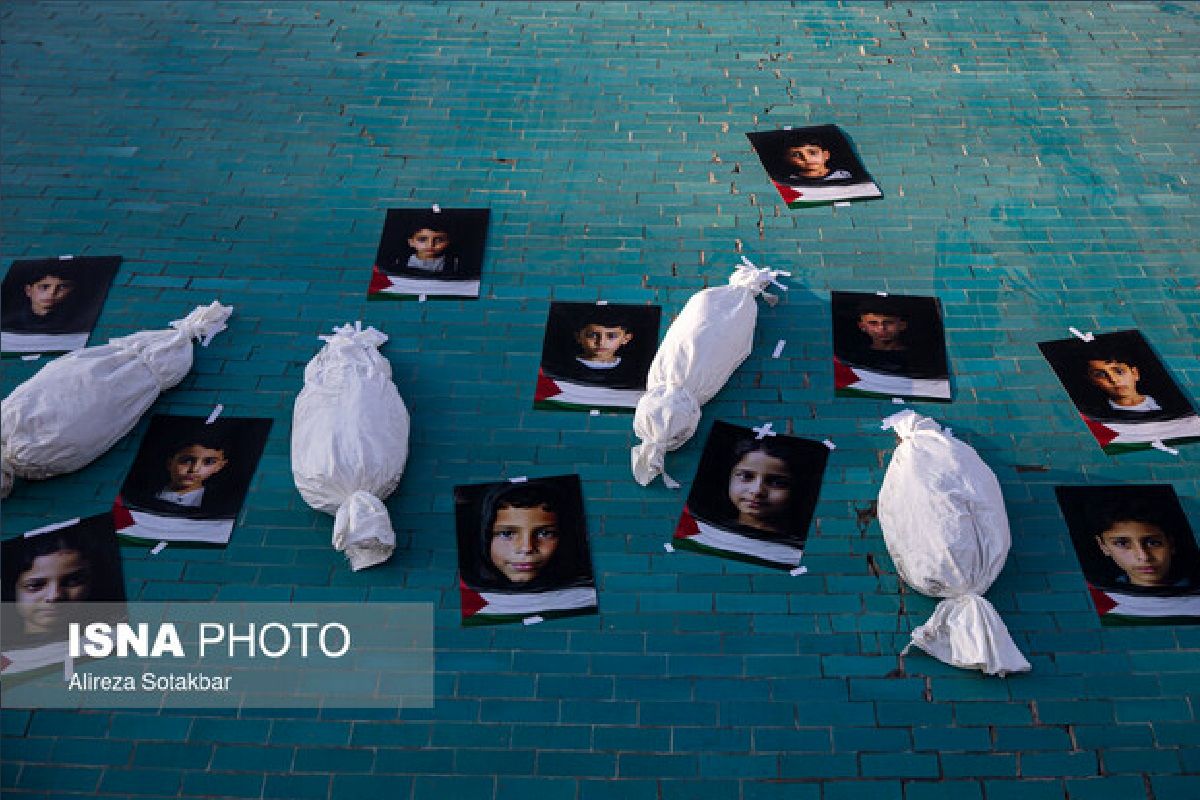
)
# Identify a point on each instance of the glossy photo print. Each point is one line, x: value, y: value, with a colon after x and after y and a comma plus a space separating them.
x: 429, y: 253
x: 887, y: 345
x: 1127, y: 398
x: 50, y: 305
x: 189, y: 479
x: 51, y: 576
x: 1137, y: 551
x: 596, y: 356
x: 813, y: 166
x: 523, y: 551
x: 753, y: 498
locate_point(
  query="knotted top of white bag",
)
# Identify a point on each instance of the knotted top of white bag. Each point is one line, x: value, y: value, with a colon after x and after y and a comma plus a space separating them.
x: 908, y: 423
x: 351, y: 351
x: 204, y: 322
x: 748, y: 276
x: 355, y: 334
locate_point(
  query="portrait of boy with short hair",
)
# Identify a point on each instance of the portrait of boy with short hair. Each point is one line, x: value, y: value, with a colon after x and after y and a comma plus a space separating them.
x: 814, y: 165
x: 887, y: 345
x: 1126, y: 396
x: 523, y: 550
x: 434, y: 253
x: 50, y: 305
x: 753, y: 497
x: 1137, y: 550
x: 596, y: 356
x: 189, y: 479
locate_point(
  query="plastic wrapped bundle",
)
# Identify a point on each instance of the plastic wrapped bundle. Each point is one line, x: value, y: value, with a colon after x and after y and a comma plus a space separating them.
x: 350, y: 442
x: 709, y: 339
x: 945, y: 527
x: 77, y: 406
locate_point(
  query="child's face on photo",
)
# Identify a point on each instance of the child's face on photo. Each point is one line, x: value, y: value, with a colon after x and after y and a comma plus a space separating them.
x: 190, y: 467
x: 54, y: 578
x: 601, y: 342
x: 760, y: 488
x: 428, y: 243
x: 46, y: 293
x: 1116, y: 379
x: 810, y: 159
x: 884, y: 330
x: 523, y: 541
x: 1140, y: 549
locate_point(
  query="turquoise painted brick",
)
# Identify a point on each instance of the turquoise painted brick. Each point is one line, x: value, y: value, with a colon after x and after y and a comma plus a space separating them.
x: 87, y: 752
x: 910, y: 765
x: 845, y: 790
x: 512, y: 788
x: 369, y: 787
x: 146, y: 727
x: 943, y: 790
x: 176, y: 756
x: 58, y: 779
x: 1047, y: 765
x: 1109, y: 787
x: 576, y: 764
x: 223, y: 784
x: 164, y: 782
x: 240, y: 758
x: 618, y: 790
x: 296, y: 787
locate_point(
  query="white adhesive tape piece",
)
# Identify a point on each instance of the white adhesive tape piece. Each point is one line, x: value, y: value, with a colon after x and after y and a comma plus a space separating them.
x: 897, y: 401
x: 949, y: 432
x: 669, y: 482
x: 65, y: 257
x: 601, y: 302
x: 670, y: 548
x: 158, y: 548
x: 31, y: 357
x: 763, y: 431
x: 48, y: 528
x: 829, y: 443
x: 420, y: 298
x: 437, y: 209
x: 216, y: 412
x: 779, y: 348
x: 518, y: 479
x: 534, y: 620
x: 1087, y: 337
x: 68, y: 668
x: 797, y: 571
x: 841, y: 203
x: 882, y: 294
x: 1158, y: 444
x: 787, y: 127
x: 595, y: 412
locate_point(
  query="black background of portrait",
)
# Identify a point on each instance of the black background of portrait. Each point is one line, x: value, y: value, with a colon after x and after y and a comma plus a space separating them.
x: 771, y: 147
x: 1068, y: 358
x: 466, y: 227
x: 224, y: 493
x: 559, y: 348
x: 1085, y: 508
x: 925, y: 336
x: 472, y: 508
x: 709, y: 501
x: 79, y: 311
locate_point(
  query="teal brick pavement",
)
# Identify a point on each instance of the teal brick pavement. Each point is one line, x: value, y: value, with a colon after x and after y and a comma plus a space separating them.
x: 1039, y: 162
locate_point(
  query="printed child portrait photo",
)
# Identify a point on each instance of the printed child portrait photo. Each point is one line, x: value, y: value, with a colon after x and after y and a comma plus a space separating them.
x: 596, y: 356
x: 50, y: 305
x: 1137, y: 551
x: 51, y: 577
x: 753, y: 498
x: 813, y: 166
x: 1127, y: 398
x: 189, y: 479
x: 887, y: 345
x: 523, y: 550
x: 429, y: 253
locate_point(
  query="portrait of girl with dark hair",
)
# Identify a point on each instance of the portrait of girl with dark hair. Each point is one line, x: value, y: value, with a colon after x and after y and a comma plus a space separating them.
x: 887, y: 345
x: 522, y: 550
x: 1127, y: 398
x: 51, y: 304
x: 814, y: 165
x: 1137, y: 550
x: 429, y: 253
x: 753, y: 498
x: 189, y: 478
x: 51, y: 578
x: 596, y: 356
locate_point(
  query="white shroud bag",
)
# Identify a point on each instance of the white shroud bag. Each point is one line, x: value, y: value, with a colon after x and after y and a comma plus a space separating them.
x: 76, y: 407
x: 945, y: 527
x: 709, y: 339
x: 350, y: 442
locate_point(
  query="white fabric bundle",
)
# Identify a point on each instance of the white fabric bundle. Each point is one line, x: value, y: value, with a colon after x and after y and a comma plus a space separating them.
x: 77, y: 406
x: 350, y: 442
x: 709, y: 339
x: 945, y: 527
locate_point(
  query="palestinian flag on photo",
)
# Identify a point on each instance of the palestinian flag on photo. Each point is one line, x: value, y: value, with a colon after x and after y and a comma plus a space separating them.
x: 28, y: 659
x: 496, y: 608
x: 147, y: 528
x: 395, y: 287
x: 1124, y: 437
x: 1118, y: 608
x: 859, y: 382
x: 695, y: 534
x: 805, y: 196
x: 556, y: 393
